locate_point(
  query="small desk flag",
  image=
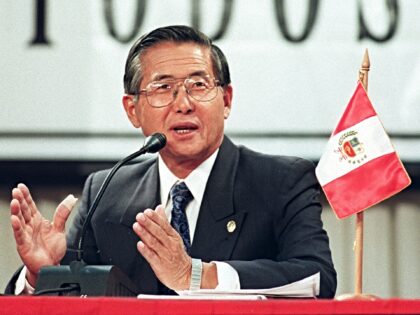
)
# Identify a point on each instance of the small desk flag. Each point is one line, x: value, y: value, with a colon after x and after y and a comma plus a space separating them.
x: 360, y: 167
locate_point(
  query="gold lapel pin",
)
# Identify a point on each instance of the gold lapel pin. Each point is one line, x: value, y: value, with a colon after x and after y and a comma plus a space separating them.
x: 231, y: 226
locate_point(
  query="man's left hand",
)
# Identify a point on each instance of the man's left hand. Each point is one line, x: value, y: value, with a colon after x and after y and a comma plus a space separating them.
x: 162, y: 247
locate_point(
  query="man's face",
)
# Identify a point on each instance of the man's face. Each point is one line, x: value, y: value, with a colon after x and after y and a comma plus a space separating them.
x: 194, y: 129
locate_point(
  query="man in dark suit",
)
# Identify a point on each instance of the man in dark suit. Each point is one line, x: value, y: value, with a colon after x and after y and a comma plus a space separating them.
x: 205, y: 213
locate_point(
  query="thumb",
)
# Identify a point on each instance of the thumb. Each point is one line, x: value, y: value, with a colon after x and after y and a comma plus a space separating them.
x: 63, y: 211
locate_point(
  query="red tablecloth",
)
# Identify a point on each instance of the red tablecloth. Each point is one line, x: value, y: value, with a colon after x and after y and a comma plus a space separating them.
x: 127, y: 306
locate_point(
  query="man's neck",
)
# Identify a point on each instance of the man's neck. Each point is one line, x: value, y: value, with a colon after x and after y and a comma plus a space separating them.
x: 182, y: 169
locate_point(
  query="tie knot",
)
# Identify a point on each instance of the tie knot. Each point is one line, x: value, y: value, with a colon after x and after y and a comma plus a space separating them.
x: 181, y: 195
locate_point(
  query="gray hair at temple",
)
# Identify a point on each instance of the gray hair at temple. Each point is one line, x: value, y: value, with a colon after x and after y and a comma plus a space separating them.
x: 178, y: 34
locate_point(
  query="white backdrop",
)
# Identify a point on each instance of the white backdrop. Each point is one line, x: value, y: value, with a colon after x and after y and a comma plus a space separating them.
x: 63, y: 100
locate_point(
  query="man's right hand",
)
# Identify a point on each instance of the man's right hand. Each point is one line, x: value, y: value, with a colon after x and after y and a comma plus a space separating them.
x: 39, y: 242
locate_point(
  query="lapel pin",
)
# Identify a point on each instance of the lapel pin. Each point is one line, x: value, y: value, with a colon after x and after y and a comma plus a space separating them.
x: 231, y: 226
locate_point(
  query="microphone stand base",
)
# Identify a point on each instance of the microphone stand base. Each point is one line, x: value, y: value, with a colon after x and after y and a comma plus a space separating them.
x: 86, y: 279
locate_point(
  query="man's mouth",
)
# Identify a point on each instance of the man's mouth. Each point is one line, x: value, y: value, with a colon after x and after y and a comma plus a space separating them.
x: 184, y: 129
x: 181, y: 131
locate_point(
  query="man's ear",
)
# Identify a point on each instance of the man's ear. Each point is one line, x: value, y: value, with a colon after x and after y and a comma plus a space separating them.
x: 130, y: 109
x: 227, y: 98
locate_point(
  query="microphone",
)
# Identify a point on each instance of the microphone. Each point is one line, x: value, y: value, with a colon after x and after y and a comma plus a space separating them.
x: 81, y: 279
x: 154, y: 143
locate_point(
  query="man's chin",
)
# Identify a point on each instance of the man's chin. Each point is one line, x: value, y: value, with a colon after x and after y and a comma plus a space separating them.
x: 183, y: 152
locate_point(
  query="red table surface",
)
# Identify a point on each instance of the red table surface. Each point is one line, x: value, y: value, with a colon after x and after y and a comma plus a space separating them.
x: 67, y: 305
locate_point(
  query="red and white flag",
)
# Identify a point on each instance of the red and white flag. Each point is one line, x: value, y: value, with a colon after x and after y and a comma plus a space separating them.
x: 360, y: 167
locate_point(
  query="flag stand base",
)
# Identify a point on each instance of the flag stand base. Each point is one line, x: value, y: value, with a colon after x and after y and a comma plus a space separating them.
x: 357, y: 297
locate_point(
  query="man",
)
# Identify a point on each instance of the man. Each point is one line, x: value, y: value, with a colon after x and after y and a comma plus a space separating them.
x: 252, y: 219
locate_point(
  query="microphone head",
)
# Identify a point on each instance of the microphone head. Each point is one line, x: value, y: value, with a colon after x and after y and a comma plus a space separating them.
x: 154, y: 143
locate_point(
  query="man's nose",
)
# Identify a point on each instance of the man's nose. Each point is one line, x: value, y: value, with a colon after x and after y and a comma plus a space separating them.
x: 182, y: 101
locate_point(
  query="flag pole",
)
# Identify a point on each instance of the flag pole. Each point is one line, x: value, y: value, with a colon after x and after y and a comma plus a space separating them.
x: 358, y: 243
x: 364, y: 69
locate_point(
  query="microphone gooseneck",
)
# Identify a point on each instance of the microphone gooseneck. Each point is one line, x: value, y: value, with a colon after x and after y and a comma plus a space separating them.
x: 152, y: 144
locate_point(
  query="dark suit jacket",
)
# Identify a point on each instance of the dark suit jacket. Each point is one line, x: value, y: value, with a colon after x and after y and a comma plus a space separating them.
x: 272, y: 199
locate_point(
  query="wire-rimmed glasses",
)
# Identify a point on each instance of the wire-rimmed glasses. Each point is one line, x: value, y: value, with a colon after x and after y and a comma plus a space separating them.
x: 163, y: 92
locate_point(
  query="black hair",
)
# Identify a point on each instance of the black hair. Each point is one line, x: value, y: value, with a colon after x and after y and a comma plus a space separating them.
x: 174, y: 33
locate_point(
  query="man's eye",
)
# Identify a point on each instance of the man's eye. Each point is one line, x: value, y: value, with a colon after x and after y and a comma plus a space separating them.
x: 162, y: 87
x: 199, y: 85
x: 165, y: 86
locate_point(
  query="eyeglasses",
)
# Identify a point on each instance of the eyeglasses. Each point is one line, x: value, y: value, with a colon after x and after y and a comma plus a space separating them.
x: 162, y: 93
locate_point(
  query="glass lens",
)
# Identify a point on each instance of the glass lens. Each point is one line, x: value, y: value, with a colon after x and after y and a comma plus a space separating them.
x: 160, y: 93
x: 201, y: 88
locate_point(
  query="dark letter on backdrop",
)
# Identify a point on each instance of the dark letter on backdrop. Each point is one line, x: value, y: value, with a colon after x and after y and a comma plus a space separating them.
x: 282, y: 21
x: 109, y: 18
x: 392, y: 6
x: 196, y: 17
x: 40, y: 20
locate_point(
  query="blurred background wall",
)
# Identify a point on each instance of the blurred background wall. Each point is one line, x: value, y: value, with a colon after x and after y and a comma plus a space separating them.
x: 294, y: 67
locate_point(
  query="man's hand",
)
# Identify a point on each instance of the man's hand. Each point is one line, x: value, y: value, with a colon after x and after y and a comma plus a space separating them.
x: 39, y: 242
x: 162, y: 247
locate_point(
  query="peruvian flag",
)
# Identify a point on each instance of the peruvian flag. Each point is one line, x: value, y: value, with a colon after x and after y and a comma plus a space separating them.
x: 360, y: 167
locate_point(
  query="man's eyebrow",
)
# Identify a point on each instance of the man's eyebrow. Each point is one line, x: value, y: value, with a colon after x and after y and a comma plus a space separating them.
x: 199, y: 72
x: 160, y: 77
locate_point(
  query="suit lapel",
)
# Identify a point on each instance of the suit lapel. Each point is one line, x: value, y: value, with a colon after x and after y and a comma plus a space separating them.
x: 218, y: 224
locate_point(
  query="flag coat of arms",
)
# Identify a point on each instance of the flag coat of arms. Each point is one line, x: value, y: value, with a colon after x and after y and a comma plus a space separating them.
x: 359, y: 167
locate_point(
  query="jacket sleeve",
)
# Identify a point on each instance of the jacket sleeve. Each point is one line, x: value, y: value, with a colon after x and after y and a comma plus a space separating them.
x: 11, y: 285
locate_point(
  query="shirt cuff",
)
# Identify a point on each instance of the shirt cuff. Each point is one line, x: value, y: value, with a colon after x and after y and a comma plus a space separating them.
x: 22, y: 286
x: 227, y: 277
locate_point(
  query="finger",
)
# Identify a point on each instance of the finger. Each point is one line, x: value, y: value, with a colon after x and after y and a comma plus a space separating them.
x: 18, y: 194
x: 149, y: 239
x: 161, y: 211
x: 26, y: 213
x: 28, y: 197
x: 18, y: 231
x: 62, y: 212
x: 155, y: 215
x: 166, y: 226
x: 15, y: 209
x: 153, y: 222
x: 150, y: 255
x: 169, y: 236
x: 159, y: 217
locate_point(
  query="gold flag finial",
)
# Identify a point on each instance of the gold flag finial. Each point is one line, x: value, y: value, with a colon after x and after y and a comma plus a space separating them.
x: 363, y: 72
